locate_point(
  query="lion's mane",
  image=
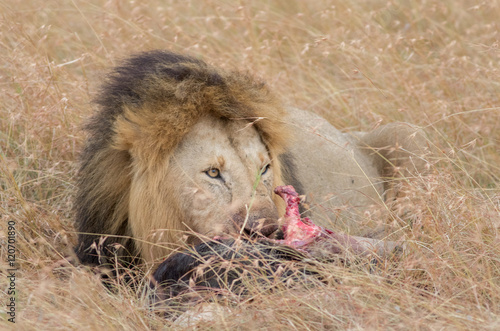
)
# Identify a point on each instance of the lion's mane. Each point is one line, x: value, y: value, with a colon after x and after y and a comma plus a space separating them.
x: 145, y: 107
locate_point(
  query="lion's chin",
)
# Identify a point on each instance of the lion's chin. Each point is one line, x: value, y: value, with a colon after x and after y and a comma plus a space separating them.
x: 270, y: 231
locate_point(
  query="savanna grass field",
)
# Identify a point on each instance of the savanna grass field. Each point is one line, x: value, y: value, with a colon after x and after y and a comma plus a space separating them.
x: 360, y: 64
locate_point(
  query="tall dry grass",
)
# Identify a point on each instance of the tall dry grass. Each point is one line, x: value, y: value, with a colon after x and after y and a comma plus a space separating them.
x: 358, y: 63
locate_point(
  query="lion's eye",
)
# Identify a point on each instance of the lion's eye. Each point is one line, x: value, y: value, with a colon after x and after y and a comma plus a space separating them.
x: 265, y: 169
x: 213, y: 173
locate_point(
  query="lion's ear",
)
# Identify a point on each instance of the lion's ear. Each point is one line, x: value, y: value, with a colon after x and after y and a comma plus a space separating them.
x: 126, y: 131
x: 131, y: 135
x: 151, y: 136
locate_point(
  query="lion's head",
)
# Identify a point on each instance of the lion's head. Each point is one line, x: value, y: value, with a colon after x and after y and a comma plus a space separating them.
x: 176, y: 146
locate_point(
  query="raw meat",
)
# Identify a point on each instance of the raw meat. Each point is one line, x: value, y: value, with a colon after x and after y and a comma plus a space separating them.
x: 303, y: 234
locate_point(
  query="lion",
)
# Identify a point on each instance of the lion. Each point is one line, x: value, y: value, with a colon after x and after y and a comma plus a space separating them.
x: 179, y: 150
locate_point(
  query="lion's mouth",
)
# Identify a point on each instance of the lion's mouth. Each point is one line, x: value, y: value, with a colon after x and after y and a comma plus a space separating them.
x: 267, y: 230
x: 262, y: 228
x: 262, y: 223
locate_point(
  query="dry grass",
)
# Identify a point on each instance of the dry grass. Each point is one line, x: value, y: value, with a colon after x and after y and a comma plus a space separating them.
x: 358, y: 63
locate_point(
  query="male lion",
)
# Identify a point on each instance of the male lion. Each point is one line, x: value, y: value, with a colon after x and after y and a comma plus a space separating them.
x: 179, y: 146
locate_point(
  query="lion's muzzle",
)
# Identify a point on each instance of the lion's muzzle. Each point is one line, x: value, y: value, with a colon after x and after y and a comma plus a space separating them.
x: 259, y: 222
